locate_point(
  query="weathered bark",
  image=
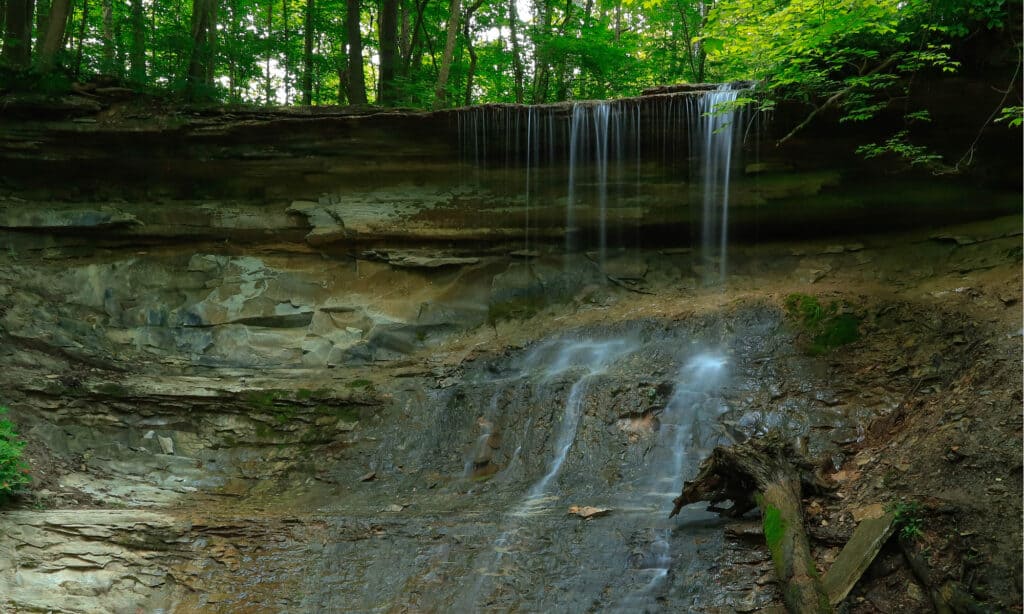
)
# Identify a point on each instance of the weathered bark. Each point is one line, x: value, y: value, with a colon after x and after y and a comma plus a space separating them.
x: 440, y: 94
x: 138, y: 53
x: 307, y: 57
x: 54, y: 35
x: 200, y: 65
x: 387, y: 93
x: 356, y: 78
x: 18, y: 33
x: 769, y: 473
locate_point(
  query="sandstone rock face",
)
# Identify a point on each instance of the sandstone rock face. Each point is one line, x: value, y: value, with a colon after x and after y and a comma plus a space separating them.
x: 212, y: 332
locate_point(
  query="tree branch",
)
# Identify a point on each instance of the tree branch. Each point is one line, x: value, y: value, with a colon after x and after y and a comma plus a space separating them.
x: 833, y: 100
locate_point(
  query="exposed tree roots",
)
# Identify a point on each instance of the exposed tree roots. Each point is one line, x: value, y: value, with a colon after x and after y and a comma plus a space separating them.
x: 767, y: 473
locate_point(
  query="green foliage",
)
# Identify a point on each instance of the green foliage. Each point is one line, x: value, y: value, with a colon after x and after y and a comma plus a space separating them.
x: 14, y: 471
x: 853, y: 54
x: 1012, y: 116
x: 827, y: 327
x: 900, y: 145
x: 909, y: 519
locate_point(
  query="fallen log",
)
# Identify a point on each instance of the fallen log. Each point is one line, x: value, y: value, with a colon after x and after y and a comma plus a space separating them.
x: 767, y: 473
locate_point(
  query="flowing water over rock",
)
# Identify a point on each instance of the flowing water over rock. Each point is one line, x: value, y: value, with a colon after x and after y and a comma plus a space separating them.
x: 380, y: 380
x: 609, y: 418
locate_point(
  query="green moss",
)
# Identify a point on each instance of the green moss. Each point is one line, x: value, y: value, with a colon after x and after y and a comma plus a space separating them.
x: 303, y: 394
x: 359, y: 383
x: 774, y: 528
x: 826, y: 326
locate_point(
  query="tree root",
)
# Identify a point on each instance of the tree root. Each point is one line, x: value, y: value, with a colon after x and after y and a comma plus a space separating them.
x: 769, y: 474
x: 949, y: 597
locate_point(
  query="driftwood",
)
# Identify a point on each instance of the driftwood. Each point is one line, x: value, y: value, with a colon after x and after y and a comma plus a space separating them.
x: 767, y: 473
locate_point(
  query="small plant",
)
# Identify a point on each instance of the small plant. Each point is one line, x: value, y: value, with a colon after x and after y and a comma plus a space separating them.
x: 13, y: 470
x: 909, y: 519
x: 827, y: 327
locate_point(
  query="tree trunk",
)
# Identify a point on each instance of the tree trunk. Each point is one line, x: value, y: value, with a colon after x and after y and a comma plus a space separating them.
x: 762, y: 471
x: 54, y: 36
x: 414, y: 59
x: 81, y: 37
x: 517, y: 57
x: 286, y: 62
x: 387, y: 93
x: 69, y: 21
x: 440, y: 94
x: 211, y: 42
x: 200, y: 63
x: 307, y: 58
x: 107, y: 35
x: 404, y: 37
x: 356, y: 77
x: 138, y: 54
x: 18, y: 33
x: 541, y: 61
x: 42, y: 17
x: 268, y: 91
x: 467, y: 22
x: 472, y: 63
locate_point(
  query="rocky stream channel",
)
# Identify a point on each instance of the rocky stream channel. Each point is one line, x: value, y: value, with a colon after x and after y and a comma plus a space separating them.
x: 353, y: 363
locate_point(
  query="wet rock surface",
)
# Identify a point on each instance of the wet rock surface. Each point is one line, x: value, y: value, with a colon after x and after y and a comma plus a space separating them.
x: 325, y: 399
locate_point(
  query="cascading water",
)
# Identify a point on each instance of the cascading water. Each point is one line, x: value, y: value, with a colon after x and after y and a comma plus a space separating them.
x: 605, y: 150
x: 586, y: 360
x: 715, y: 125
x: 603, y: 147
x: 685, y: 433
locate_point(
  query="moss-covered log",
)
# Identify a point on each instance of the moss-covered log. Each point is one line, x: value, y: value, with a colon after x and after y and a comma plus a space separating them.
x: 767, y: 473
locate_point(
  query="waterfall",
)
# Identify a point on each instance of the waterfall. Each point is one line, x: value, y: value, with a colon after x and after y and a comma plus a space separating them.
x: 614, y: 152
x: 714, y: 127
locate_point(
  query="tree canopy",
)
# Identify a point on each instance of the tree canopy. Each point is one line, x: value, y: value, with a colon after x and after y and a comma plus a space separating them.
x: 440, y: 53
